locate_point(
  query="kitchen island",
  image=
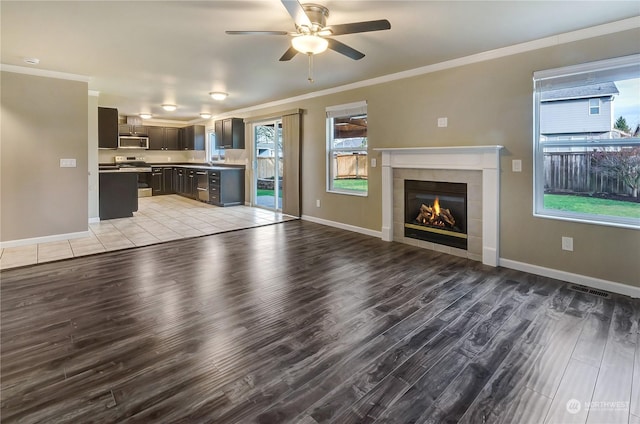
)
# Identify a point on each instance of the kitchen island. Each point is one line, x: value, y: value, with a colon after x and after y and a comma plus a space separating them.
x: 118, y: 193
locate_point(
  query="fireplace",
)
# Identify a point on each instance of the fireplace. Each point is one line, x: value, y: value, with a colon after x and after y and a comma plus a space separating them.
x: 476, y: 166
x: 436, y: 211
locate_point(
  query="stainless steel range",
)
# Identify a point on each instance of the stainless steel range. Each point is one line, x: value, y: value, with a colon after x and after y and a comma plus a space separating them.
x: 136, y: 164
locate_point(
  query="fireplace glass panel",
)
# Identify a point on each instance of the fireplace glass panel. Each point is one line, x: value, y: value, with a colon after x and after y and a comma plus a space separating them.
x: 436, y: 211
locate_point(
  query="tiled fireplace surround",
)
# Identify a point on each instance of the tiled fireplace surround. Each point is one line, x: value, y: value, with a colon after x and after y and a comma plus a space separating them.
x: 477, y: 166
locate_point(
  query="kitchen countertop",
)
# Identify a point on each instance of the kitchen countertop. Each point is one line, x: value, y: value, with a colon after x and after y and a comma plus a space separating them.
x: 110, y: 168
x: 214, y: 167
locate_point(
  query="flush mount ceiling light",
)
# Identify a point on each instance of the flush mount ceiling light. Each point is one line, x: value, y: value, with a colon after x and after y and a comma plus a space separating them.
x: 205, y: 115
x: 218, y: 95
x: 31, y: 60
x: 169, y: 108
x: 145, y: 115
x: 309, y: 44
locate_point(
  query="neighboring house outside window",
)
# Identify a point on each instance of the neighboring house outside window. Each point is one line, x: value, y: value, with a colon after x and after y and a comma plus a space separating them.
x: 586, y: 166
x: 594, y: 106
x: 347, y: 163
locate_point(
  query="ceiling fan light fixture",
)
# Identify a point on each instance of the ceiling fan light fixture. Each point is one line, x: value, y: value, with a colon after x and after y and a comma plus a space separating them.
x: 309, y: 44
x: 218, y: 95
x: 205, y: 115
x: 169, y: 108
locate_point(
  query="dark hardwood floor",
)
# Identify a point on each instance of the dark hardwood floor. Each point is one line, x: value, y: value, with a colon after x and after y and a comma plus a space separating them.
x: 298, y: 322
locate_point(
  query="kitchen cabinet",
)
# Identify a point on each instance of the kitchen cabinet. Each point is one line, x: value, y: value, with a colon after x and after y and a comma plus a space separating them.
x: 135, y: 130
x: 226, y: 187
x: 229, y: 133
x: 162, y: 138
x: 179, y: 180
x: 191, y: 185
x: 161, y: 180
x: 192, y: 137
x: 167, y: 180
x: 107, y: 128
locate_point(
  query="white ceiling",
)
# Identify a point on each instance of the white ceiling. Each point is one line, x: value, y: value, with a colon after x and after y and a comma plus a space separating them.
x: 142, y: 54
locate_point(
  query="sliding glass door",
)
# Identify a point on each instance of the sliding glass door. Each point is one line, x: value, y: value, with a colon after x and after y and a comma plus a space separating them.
x: 268, y: 164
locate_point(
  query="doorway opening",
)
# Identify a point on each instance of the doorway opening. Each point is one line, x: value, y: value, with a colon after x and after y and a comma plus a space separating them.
x: 268, y: 165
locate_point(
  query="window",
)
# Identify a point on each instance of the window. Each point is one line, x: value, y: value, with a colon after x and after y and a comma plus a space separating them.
x: 347, y: 164
x: 594, y: 106
x: 212, y: 153
x: 587, y: 167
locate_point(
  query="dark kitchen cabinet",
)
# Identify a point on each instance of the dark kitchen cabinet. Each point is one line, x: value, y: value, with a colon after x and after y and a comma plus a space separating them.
x: 229, y: 133
x: 161, y: 138
x: 107, y: 128
x: 226, y: 187
x: 192, y: 137
x: 167, y: 180
x: 135, y: 130
x: 179, y: 180
x: 162, y: 180
x: 191, y: 185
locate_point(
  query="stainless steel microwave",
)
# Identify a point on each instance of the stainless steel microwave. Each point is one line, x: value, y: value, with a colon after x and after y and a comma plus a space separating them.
x: 133, y: 142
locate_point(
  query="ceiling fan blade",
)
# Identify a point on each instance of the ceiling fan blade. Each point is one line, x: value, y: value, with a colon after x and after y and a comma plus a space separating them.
x: 342, y: 48
x: 256, y: 32
x: 297, y: 12
x: 355, y: 27
x: 288, y: 55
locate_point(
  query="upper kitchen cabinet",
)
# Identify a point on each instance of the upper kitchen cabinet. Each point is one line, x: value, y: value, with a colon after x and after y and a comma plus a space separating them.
x: 192, y: 138
x: 161, y: 138
x: 230, y: 133
x: 107, y: 128
x: 135, y: 130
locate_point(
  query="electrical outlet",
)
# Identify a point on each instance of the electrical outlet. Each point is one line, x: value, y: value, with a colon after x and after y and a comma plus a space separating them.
x: 567, y: 243
x: 516, y: 165
x: 317, y: 203
x: 442, y: 122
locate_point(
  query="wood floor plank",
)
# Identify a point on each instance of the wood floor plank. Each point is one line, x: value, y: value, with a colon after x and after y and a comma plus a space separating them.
x: 612, y: 394
x: 302, y: 323
x: 573, y: 395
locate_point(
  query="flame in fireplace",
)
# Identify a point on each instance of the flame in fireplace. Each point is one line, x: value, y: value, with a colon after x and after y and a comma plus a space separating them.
x: 434, y: 215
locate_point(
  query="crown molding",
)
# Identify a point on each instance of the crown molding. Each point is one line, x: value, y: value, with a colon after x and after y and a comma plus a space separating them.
x: 43, y: 73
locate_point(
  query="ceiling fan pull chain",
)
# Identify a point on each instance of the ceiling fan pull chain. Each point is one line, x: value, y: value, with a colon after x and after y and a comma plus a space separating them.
x: 310, y: 77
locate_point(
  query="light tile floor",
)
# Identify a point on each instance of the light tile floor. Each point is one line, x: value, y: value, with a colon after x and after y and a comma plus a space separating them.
x: 159, y: 219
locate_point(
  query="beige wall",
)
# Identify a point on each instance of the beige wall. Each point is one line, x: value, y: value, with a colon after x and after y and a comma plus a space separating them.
x: 43, y: 120
x: 92, y: 148
x: 486, y: 103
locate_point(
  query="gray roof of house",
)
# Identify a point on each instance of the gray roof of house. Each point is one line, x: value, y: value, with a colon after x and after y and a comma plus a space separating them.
x: 604, y: 89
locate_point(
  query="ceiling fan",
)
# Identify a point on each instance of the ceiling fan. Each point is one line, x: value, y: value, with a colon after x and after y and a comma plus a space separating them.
x: 313, y: 36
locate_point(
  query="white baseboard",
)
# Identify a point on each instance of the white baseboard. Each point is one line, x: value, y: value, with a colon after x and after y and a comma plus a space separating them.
x: 94, y: 220
x: 342, y: 226
x: 45, y: 239
x: 595, y: 283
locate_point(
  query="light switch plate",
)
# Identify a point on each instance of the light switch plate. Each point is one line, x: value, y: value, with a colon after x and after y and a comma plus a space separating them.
x: 373, y: 162
x: 516, y: 165
x: 442, y: 122
x: 67, y: 163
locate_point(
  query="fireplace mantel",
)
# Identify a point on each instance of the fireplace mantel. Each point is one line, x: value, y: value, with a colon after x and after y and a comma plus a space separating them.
x: 481, y: 158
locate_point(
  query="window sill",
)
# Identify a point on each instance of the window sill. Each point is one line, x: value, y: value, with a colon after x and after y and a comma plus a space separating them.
x: 349, y: 193
x: 625, y: 223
